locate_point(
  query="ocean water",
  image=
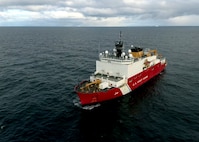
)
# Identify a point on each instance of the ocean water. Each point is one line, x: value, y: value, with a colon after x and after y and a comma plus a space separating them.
x: 39, y: 67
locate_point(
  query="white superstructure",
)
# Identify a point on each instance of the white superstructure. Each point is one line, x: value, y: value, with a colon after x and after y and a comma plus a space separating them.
x: 114, y: 71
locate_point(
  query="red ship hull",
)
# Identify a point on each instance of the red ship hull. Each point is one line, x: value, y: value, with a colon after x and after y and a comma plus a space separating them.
x: 112, y: 93
x: 141, y: 78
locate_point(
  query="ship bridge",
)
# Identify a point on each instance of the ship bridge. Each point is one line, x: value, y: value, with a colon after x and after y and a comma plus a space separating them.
x: 107, y: 57
x: 126, y: 64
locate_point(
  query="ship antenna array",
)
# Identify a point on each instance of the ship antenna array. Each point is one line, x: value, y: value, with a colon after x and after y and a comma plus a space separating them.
x: 121, y: 39
x: 120, y: 35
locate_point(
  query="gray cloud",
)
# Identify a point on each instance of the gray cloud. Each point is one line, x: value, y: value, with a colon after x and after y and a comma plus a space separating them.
x: 99, y: 13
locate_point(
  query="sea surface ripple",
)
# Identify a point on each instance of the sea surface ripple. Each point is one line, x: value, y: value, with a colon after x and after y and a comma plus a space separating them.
x: 39, y: 67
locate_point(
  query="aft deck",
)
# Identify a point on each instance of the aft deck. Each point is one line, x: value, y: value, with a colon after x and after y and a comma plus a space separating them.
x: 92, y: 88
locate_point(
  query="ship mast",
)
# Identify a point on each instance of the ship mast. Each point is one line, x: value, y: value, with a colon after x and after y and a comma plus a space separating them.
x: 120, y: 36
x: 119, y: 46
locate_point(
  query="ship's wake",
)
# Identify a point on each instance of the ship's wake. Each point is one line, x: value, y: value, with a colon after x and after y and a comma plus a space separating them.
x: 87, y: 107
x: 90, y: 107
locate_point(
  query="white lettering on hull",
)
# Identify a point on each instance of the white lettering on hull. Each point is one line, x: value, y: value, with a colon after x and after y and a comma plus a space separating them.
x: 140, y: 80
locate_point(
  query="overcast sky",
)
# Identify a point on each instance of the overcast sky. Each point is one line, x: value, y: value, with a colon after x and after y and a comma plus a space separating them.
x: 99, y: 12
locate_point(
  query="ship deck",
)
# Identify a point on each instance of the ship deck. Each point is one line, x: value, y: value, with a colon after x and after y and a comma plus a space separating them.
x: 82, y: 87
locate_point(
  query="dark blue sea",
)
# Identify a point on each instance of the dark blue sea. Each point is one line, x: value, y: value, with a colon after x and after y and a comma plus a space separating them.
x: 39, y: 67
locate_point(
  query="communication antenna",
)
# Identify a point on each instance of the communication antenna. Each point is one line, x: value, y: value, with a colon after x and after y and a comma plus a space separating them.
x: 119, y: 46
x: 120, y: 36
